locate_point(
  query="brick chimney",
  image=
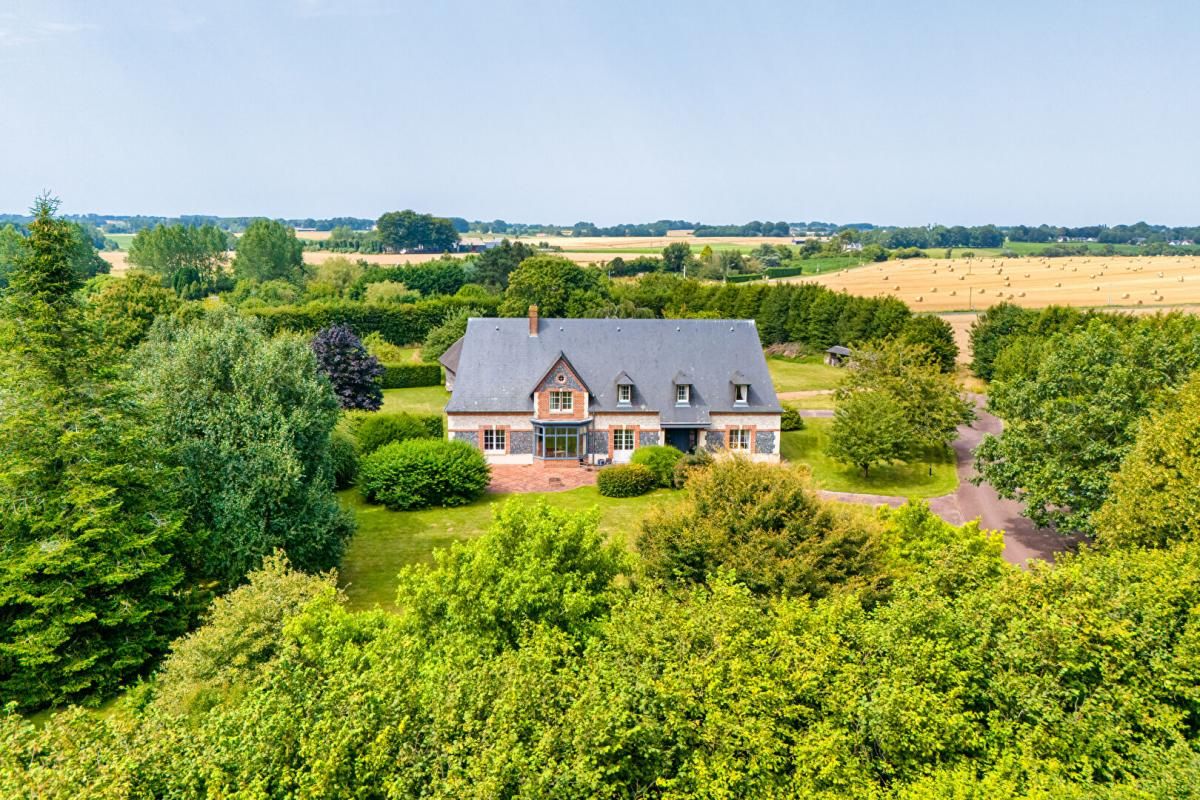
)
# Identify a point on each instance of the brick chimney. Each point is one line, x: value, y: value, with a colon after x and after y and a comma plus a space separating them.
x: 533, y: 321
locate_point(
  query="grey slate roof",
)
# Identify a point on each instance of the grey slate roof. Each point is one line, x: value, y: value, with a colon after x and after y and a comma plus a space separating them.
x: 838, y: 350
x: 449, y: 359
x: 500, y: 363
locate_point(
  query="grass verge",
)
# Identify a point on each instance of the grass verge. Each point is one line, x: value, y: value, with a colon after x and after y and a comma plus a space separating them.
x: 803, y: 374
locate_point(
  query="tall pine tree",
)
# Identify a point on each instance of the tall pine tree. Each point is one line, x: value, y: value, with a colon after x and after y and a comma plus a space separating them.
x: 89, y: 588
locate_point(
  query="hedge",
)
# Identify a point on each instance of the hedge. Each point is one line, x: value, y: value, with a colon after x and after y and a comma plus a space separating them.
x: 423, y: 472
x: 659, y: 459
x: 398, y: 323
x: 377, y: 430
x: 783, y: 272
x: 625, y: 480
x: 404, y: 376
x: 743, y: 278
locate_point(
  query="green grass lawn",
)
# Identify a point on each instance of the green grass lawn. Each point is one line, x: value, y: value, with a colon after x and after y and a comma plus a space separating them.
x: 803, y: 374
x: 388, y: 540
x: 903, y: 479
x: 820, y: 401
x: 419, y: 399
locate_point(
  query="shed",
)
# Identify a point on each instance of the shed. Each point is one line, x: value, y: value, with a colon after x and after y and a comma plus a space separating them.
x: 837, y: 356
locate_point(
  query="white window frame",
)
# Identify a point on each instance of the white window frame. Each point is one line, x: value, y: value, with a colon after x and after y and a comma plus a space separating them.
x: 624, y: 394
x: 741, y: 394
x: 683, y: 394
x: 624, y: 435
x: 564, y: 399
x: 499, y: 438
x: 740, y: 439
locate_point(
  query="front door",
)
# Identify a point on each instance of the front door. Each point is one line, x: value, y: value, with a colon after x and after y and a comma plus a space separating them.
x: 681, y: 438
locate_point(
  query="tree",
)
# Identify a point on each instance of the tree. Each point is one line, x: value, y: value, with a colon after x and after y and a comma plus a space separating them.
x: 677, y: 257
x: 269, y: 250
x: 123, y: 310
x: 453, y: 328
x: 934, y: 334
x: 182, y: 255
x: 557, y: 286
x: 408, y: 230
x: 12, y: 244
x: 353, y: 371
x: 766, y: 525
x: 339, y: 273
x: 869, y: 427
x: 249, y: 419
x: 1154, y: 500
x: 494, y: 265
x: 991, y: 332
x: 89, y: 519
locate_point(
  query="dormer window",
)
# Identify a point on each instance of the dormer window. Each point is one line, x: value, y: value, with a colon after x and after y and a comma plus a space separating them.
x: 741, y: 393
x: 683, y: 394
x: 624, y: 395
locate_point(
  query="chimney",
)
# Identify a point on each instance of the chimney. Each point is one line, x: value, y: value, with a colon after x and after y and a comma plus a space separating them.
x: 533, y: 321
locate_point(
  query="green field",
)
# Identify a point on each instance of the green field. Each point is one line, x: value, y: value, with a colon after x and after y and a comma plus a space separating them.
x: 910, y: 479
x: 418, y: 400
x: 122, y: 239
x: 803, y: 374
x: 386, y: 540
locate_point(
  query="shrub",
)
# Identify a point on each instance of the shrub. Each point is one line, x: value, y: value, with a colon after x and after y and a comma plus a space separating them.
x: 660, y: 459
x: 353, y: 371
x: 422, y: 473
x: 791, y: 420
x: 687, y: 466
x: 384, y: 350
x: 440, y: 338
x: 625, y: 480
x: 376, y: 430
x: 783, y: 272
x: 343, y: 453
x: 406, y: 376
x: 399, y: 323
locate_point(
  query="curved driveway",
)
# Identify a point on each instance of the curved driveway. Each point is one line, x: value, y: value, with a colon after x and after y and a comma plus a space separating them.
x: 1022, y: 539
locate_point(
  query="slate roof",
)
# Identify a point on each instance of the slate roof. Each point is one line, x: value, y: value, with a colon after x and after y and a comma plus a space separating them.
x: 449, y: 359
x: 499, y: 362
x: 838, y: 350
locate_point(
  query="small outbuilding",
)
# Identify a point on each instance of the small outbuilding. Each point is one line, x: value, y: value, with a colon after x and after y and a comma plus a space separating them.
x: 837, y: 356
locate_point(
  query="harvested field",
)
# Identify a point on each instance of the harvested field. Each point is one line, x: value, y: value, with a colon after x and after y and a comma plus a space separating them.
x: 969, y: 284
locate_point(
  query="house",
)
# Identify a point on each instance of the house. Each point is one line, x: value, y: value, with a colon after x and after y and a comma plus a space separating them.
x: 594, y: 390
x: 837, y: 355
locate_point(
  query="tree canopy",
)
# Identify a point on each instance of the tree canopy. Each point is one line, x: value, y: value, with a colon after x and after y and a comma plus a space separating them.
x: 267, y: 251
x: 408, y: 230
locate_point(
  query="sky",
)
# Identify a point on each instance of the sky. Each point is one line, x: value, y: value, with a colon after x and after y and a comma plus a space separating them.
x: 904, y: 113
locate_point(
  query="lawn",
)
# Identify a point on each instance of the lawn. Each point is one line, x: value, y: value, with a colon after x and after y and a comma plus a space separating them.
x: 903, y: 479
x: 822, y: 402
x: 388, y: 540
x: 803, y: 374
x: 419, y: 399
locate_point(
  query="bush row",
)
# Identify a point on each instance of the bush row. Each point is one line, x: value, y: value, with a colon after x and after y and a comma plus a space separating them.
x: 743, y: 278
x: 404, y: 376
x: 783, y: 272
x: 398, y: 323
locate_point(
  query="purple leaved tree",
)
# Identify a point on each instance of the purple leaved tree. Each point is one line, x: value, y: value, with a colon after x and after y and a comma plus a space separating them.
x: 353, y: 371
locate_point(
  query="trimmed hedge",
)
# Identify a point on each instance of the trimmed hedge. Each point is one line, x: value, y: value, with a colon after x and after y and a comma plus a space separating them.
x: 405, y: 376
x: 423, y: 472
x: 783, y: 272
x: 743, y: 278
x: 625, y: 480
x: 343, y: 453
x: 377, y: 430
x: 659, y: 459
x: 398, y: 323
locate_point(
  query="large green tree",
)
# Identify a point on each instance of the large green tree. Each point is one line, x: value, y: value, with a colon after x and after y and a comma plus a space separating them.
x: 408, y: 230
x: 190, y: 258
x: 557, y: 286
x: 123, y: 309
x: 269, y: 250
x: 90, y: 589
x: 249, y: 418
x: 934, y: 334
x: 869, y: 428
x: 493, y: 267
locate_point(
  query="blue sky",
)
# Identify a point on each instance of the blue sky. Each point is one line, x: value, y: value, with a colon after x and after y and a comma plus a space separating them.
x: 905, y: 113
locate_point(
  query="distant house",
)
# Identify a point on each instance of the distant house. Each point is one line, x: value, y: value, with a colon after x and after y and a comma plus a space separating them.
x: 595, y: 390
x: 837, y: 355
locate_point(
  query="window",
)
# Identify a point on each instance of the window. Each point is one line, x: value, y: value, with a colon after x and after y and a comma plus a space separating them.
x: 624, y: 394
x: 741, y: 393
x: 623, y: 438
x: 561, y: 402
x: 683, y: 394
x: 495, y: 440
x: 739, y: 439
x: 559, y: 442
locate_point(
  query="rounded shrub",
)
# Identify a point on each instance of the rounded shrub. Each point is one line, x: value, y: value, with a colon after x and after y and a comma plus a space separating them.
x: 343, y: 453
x: 376, y: 430
x: 790, y: 419
x: 659, y: 459
x: 420, y: 473
x: 625, y: 480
